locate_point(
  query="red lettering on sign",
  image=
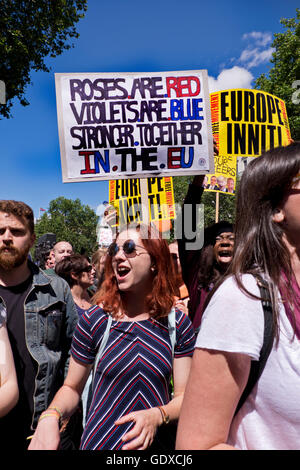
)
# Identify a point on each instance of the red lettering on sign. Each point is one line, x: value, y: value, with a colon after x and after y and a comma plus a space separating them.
x: 183, y: 86
x: 88, y: 170
x: 174, y: 156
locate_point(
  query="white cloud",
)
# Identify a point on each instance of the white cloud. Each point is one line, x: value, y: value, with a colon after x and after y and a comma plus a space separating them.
x: 260, y: 38
x: 258, y: 50
x: 236, y: 77
x: 254, y: 57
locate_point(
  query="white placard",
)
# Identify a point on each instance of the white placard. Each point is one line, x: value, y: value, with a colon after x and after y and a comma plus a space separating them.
x: 134, y: 125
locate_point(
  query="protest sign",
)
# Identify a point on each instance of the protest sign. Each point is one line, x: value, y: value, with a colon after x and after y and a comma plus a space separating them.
x: 133, y: 125
x: 248, y: 122
x: 245, y: 123
x: 224, y: 177
x: 125, y: 196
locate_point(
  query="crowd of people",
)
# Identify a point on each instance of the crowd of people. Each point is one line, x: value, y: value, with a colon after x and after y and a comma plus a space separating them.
x: 150, y: 345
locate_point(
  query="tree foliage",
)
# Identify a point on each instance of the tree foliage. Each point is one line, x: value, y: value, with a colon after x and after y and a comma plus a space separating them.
x: 71, y: 221
x: 285, y: 71
x: 31, y: 30
x: 226, y: 207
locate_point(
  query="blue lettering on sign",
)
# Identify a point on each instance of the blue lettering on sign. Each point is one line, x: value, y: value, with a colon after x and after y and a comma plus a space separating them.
x: 104, y: 163
x: 182, y: 157
x: 184, y: 110
x: 176, y: 158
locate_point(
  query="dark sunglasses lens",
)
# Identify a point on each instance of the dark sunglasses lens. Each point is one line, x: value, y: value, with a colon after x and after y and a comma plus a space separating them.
x: 113, y: 249
x: 129, y: 247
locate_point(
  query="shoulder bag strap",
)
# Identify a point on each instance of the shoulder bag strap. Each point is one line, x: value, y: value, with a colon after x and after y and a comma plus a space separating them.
x: 257, y: 367
x: 172, y: 329
x: 102, y: 345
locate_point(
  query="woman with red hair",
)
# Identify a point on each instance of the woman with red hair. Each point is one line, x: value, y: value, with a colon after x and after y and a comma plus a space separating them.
x: 131, y: 388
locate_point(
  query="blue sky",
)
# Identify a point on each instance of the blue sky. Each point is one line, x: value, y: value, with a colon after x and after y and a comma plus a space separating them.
x: 231, y: 39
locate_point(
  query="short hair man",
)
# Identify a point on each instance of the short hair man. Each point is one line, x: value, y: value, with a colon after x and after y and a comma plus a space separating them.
x: 213, y: 183
x: 230, y: 185
x: 41, y: 318
x: 61, y: 250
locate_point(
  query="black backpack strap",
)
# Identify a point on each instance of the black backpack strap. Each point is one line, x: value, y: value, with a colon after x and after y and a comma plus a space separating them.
x: 258, y: 366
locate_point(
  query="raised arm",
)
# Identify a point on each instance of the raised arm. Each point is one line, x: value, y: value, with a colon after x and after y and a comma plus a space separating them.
x: 189, y: 258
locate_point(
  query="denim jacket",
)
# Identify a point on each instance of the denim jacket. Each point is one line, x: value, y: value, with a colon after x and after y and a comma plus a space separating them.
x: 50, y: 320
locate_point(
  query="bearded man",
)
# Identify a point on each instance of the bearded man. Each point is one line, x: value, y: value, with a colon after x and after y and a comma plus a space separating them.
x: 41, y: 317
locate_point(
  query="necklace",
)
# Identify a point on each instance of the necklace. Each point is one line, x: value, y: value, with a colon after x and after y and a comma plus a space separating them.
x: 141, y: 317
x: 82, y: 303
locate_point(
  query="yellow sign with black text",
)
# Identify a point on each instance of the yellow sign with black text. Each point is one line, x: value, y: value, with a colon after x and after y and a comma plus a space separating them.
x: 245, y: 123
x: 125, y: 196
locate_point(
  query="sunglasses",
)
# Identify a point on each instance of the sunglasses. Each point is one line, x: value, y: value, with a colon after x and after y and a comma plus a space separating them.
x: 129, y: 248
x: 86, y: 269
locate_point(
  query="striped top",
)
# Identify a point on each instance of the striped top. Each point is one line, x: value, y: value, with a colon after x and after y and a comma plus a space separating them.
x: 133, y: 374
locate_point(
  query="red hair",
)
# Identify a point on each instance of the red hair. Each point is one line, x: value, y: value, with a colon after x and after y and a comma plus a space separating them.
x: 164, y: 288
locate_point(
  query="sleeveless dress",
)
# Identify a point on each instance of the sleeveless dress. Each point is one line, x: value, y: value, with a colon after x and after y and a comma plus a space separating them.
x: 133, y: 374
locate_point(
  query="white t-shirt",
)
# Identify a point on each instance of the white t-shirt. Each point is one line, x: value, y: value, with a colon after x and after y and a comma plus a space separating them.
x: 234, y: 322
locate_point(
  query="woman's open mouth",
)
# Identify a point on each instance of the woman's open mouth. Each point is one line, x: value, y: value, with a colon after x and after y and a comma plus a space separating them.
x: 122, y: 272
x: 225, y: 256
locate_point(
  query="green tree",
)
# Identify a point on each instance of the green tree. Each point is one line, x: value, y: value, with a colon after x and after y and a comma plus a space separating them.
x: 70, y: 221
x: 285, y: 70
x: 180, y: 186
x: 31, y: 30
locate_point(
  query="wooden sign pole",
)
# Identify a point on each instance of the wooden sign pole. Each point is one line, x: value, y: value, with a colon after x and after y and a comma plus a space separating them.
x: 144, y: 200
x: 217, y: 206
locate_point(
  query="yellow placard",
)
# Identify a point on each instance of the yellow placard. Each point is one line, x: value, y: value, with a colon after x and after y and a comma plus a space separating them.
x: 248, y: 122
x: 245, y: 123
x: 125, y: 196
x: 224, y: 177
